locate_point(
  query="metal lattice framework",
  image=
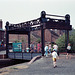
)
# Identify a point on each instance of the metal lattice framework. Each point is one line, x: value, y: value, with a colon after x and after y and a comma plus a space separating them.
x: 24, y: 25
x: 50, y: 23
x: 41, y: 23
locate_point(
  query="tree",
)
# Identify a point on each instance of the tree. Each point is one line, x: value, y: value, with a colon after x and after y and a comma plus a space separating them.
x: 72, y: 39
x: 61, y: 41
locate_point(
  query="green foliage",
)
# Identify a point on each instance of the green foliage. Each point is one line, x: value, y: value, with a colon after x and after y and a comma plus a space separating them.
x: 61, y: 41
x: 72, y: 41
x: 17, y: 41
x: 38, y: 40
x: 23, y: 40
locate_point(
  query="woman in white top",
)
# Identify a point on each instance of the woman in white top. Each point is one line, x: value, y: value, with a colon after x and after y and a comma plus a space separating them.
x: 69, y: 50
x: 55, y: 47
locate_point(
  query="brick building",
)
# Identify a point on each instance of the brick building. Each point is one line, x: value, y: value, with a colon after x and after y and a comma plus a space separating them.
x: 2, y: 34
x: 50, y: 36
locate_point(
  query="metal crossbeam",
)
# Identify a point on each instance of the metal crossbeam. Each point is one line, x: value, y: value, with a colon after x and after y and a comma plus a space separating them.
x: 55, y: 15
x: 35, y: 24
x: 24, y: 24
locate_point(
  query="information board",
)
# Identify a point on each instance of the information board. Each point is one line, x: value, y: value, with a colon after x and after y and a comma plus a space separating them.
x: 17, y: 47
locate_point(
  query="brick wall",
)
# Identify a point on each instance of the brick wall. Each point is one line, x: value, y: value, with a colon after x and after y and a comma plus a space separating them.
x: 16, y: 37
x: 1, y: 33
x: 49, y: 37
x: 0, y: 24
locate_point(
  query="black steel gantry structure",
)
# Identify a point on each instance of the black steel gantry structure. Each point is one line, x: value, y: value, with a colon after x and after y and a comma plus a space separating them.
x: 41, y: 23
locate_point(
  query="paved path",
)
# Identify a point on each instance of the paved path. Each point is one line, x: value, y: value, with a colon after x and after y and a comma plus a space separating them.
x: 44, y: 66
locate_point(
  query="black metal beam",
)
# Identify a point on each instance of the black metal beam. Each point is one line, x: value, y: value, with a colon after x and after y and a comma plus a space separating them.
x: 55, y: 15
x: 57, y: 25
x: 66, y: 38
x: 29, y: 40
x: 7, y: 39
x: 42, y: 39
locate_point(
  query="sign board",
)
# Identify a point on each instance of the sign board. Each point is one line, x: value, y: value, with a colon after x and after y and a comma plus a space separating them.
x: 17, y: 47
x: 0, y: 43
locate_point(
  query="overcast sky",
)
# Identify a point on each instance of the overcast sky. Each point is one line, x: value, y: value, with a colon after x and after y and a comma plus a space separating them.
x: 17, y: 11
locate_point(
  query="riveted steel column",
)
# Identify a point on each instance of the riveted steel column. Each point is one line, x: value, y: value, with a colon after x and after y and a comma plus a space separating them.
x: 66, y: 37
x: 29, y: 40
x: 7, y: 38
x: 42, y: 39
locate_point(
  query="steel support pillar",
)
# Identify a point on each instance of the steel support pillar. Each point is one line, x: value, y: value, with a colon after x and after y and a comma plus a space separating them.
x: 42, y: 39
x: 66, y: 38
x: 7, y: 39
x: 29, y: 40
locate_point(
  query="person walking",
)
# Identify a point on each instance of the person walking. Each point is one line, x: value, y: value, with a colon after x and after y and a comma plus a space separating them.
x: 38, y: 47
x: 55, y: 47
x: 50, y: 48
x: 32, y: 47
x: 54, y: 55
x: 46, y: 50
x: 68, y: 51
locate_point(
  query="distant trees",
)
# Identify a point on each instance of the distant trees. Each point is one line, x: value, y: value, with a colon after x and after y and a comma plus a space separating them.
x: 72, y: 39
x: 61, y: 41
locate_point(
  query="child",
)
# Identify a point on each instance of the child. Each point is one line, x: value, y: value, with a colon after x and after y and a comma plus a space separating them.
x: 54, y: 55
